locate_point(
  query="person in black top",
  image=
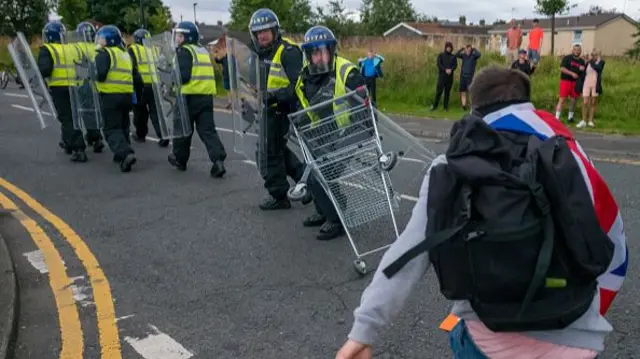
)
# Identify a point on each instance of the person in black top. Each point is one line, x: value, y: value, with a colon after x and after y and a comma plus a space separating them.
x: 571, y: 69
x: 447, y: 64
x: 523, y: 64
x: 469, y: 57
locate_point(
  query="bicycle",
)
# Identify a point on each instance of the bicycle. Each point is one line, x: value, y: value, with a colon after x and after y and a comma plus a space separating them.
x: 7, y: 74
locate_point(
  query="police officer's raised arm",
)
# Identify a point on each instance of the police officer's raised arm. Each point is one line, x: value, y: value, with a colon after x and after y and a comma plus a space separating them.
x: 292, y: 63
x: 103, y: 64
x: 185, y: 63
x: 45, y: 62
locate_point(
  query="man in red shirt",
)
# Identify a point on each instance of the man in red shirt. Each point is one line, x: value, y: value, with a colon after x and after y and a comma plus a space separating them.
x: 535, y: 41
x: 514, y: 40
x: 571, y: 68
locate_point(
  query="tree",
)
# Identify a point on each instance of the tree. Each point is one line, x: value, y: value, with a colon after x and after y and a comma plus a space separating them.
x: 552, y: 8
x: 635, y: 51
x: 73, y: 12
x: 462, y: 20
x: 337, y: 19
x: 114, y: 12
x: 598, y: 10
x: 27, y: 16
x: 379, y: 16
x: 295, y: 15
x: 482, y: 22
x: 158, y: 20
x: 499, y: 22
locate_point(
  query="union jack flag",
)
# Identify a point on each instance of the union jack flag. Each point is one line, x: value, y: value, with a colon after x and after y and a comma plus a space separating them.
x: 524, y: 118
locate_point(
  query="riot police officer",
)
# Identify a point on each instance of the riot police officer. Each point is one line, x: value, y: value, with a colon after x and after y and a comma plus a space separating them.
x: 283, y: 61
x: 88, y: 48
x: 115, y: 85
x: 146, y: 105
x: 55, y: 62
x: 198, y: 87
x: 328, y: 73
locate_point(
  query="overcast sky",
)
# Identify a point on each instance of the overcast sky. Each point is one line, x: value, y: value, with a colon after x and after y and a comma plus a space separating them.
x: 210, y: 11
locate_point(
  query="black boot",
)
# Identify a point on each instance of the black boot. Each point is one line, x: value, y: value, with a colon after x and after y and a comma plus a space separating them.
x: 79, y: 156
x: 218, y: 170
x: 65, y: 148
x: 139, y: 139
x: 330, y: 231
x: 163, y: 143
x: 270, y: 204
x: 98, y: 146
x: 174, y: 162
x: 314, y: 220
x: 128, y: 162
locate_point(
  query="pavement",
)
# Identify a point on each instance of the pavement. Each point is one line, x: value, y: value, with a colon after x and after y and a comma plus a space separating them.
x: 161, y: 264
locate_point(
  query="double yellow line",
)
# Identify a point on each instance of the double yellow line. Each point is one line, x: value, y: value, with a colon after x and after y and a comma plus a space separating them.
x: 68, y: 316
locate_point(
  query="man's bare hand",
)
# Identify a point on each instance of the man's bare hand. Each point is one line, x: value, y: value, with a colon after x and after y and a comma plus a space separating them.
x: 448, y: 71
x: 354, y: 350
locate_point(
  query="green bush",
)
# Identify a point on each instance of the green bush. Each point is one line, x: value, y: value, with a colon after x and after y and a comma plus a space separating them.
x: 410, y: 76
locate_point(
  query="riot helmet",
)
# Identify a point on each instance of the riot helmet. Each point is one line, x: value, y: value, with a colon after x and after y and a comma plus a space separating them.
x: 319, y: 49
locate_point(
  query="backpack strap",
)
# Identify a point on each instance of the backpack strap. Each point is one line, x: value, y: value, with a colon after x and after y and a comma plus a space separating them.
x: 436, y: 239
x: 545, y: 154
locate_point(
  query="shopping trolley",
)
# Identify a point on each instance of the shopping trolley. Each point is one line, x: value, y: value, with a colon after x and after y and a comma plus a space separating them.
x: 341, y: 146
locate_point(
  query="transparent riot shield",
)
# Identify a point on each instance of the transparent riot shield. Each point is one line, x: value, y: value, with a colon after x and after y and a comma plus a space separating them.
x: 85, y: 99
x: 247, y: 80
x: 32, y: 79
x: 173, y: 116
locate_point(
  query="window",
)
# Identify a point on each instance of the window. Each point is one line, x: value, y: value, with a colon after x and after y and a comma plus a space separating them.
x: 577, y: 37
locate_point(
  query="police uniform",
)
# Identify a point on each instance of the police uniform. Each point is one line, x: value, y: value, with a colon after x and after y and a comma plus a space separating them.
x: 345, y: 78
x: 283, y: 66
x: 146, y: 105
x: 56, y: 62
x: 198, y: 87
x: 115, y: 85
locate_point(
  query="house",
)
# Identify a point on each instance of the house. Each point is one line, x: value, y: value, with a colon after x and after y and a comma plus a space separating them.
x: 609, y: 33
x: 437, y: 33
x: 209, y: 33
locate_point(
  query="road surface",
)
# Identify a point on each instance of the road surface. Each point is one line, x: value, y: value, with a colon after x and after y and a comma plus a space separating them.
x: 160, y: 264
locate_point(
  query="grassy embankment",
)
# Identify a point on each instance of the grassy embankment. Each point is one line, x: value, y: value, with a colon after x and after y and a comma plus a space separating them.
x: 410, y: 82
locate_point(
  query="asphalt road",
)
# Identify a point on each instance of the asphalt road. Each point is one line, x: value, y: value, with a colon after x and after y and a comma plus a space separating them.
x: 195, y: 269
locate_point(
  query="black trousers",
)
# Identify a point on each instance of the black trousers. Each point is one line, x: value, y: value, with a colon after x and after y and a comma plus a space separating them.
x: 445, y: 82
x: 371, y: 86
x: 321, y: 198
x: 200, y: 108
x: 145, y: 107
x: 280, y: 160
x: 115, y: 110
x: 93, y: 134
x: 71, y: 137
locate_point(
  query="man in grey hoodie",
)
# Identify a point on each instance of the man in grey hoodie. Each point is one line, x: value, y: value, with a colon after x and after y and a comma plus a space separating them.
x: 495, y: 92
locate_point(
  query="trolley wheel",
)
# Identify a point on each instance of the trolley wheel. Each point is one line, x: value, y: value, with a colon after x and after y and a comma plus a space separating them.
x: 388, y: 161
x: 360, y: 266
x: 297, y: 193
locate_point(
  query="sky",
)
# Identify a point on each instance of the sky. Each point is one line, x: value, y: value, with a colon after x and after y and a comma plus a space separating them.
x: 212, y: 11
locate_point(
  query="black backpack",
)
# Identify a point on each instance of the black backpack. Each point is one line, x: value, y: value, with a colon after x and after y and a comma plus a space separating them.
x: 512, y: 229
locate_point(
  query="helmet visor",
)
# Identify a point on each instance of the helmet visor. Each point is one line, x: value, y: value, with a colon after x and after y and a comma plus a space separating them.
x: 319, y: 58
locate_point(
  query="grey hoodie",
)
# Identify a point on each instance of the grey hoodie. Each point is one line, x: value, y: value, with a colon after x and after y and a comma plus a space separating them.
x: 384, y: 298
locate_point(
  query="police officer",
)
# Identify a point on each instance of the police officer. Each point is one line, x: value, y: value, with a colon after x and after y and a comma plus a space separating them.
x: 115, y: 85
x: 198, y: 87
x: 146, y: 104
x: 55, y: 62
x: 327, y: 72
x: 283, y: 61
x: 88, y: 48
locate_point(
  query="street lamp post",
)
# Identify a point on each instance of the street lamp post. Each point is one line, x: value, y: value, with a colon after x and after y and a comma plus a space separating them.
x: 194, y: 13
x: 142, y: 19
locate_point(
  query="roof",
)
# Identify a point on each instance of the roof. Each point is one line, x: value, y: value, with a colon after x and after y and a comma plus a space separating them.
x: 209, y: 33
x: 427, y: 28
x: 566, y: 22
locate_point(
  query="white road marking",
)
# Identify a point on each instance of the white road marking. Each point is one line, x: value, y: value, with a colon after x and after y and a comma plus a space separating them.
x: 36, y: 258
x: 20, y: 107
x: 158, y: 346
x: 153, y: 139
x: 125, y: 317
x: 16, y: 95
x: 81, y: 293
